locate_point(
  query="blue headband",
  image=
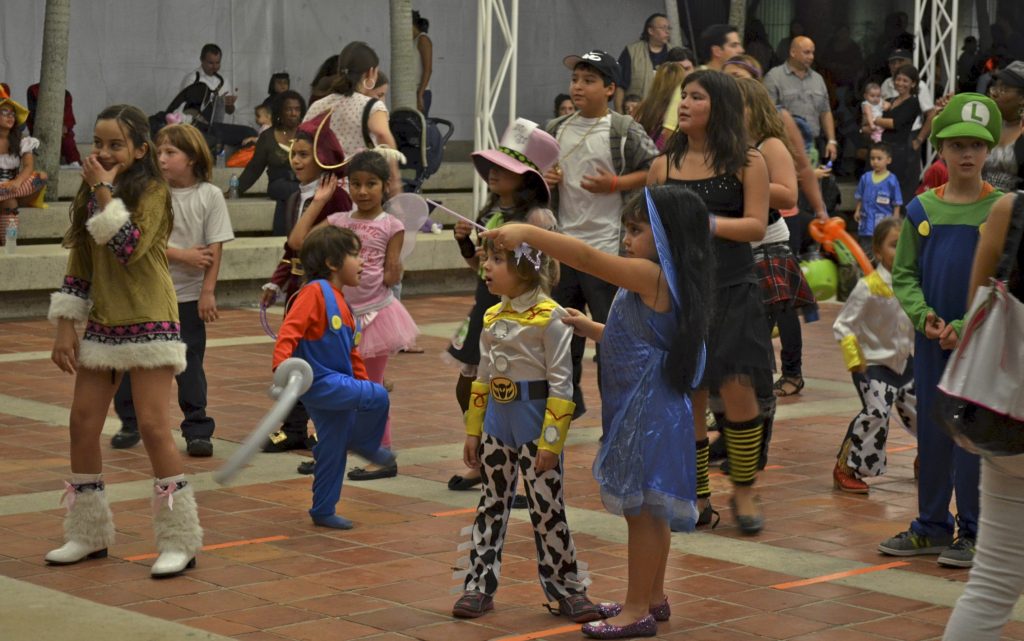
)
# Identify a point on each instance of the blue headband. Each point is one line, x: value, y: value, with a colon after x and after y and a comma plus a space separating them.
x: 668, y: 268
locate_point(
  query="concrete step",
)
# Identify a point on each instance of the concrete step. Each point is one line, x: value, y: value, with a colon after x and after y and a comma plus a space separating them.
x: 29, y: 275
x: 249, y: 216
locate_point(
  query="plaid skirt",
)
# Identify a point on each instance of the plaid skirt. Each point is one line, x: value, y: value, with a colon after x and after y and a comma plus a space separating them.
x: 780, y: 276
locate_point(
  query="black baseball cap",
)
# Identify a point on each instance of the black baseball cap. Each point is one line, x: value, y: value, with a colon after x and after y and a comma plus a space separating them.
x: 603, y: 61
x: 901, y: 54
x: 1012, y: 74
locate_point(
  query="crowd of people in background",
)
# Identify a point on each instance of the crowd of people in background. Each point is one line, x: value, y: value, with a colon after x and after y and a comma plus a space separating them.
x: 645, y: 155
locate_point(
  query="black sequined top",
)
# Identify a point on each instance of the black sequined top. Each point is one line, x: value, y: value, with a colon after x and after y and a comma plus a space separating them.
x: 723, y: 196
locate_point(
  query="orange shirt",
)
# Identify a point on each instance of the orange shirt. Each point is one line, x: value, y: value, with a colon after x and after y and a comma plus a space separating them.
x: 307, y: 320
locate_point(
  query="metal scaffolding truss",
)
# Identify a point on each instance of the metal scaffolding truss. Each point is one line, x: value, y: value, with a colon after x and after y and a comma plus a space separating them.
x: 936, y: 50
x: 503, y: 15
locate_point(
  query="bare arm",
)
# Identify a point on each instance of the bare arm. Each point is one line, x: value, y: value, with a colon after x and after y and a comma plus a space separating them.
x: 991, y: 243
x: 781, y: 174
x: 378, y: 126
x: 805, y: 173
x: 207, y: 297
x: 638, y: 275
x: 304, y: 225
x: 755, y: 204
x: 869, y: 116
x: 393, y: 260
x: 426, y: 49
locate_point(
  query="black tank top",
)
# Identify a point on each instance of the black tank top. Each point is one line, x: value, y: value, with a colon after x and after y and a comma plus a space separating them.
x: 723, y: 196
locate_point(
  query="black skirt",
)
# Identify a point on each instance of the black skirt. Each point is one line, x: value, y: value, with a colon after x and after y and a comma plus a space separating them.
x: 469, y: 352
x: 739, y: 340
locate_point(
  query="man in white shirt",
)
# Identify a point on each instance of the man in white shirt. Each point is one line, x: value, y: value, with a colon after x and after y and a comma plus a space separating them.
x: 217, y: 102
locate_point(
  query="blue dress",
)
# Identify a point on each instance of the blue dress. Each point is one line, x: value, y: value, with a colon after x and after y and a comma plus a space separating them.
x: 647, y: 458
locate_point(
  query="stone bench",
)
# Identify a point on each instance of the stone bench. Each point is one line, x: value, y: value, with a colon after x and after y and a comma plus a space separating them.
x: 29, y: 275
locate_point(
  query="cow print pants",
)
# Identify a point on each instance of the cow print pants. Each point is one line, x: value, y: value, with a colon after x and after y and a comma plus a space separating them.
x: 556, y: 554
x: 880, y: 390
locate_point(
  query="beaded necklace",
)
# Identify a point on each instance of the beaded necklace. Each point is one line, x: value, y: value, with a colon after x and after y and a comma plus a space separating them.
x: 597, y: 121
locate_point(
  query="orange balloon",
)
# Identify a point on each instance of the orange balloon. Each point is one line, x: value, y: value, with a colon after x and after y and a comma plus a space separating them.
x: 834, y: 230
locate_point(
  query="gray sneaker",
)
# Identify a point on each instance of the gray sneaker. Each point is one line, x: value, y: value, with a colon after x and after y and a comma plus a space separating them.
x: 958, y: 555
x: 910, y: 543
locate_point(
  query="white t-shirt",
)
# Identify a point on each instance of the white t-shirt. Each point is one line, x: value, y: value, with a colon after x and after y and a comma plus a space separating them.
x: 215, y: 84
x: 200, y: 218
x: 592, y: 218
x: 924, y: 98
x: 777, y: 232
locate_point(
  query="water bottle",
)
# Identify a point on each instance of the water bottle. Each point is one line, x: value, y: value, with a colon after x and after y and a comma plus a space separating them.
x: 11, y: 236
x: 233, y: 186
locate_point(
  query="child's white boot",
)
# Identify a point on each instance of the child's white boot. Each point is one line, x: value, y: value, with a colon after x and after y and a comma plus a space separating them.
x: 176, y: 524
x: 88, y: 525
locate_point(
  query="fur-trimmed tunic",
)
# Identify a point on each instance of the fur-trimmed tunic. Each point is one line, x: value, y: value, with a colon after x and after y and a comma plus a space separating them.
x: 119, y: 284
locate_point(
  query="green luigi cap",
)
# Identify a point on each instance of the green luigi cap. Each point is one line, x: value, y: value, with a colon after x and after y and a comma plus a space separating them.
x: 971, y: 115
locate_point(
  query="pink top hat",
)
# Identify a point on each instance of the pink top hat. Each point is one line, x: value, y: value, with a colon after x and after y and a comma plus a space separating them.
x: 524, y: 149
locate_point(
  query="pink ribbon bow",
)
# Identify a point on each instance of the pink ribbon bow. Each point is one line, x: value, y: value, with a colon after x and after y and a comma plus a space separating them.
x: 68, y: 497
x: 165, y: 492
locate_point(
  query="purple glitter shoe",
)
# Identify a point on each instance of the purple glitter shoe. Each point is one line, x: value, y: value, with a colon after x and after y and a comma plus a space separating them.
x: 660, y: 612
x: 643, y: 627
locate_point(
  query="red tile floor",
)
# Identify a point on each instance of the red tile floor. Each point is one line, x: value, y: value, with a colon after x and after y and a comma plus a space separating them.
x: 271, y: 575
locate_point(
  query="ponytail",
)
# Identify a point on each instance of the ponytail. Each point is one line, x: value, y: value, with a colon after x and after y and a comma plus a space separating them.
x: 354, y: 61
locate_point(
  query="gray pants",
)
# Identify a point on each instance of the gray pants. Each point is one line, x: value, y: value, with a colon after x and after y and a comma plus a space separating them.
x: 997, y: 578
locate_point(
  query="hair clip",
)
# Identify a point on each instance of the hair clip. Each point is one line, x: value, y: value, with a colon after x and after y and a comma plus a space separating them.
x: 527, y: 252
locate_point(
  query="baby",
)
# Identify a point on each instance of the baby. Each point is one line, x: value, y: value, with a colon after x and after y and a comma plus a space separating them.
x: 872, y: 108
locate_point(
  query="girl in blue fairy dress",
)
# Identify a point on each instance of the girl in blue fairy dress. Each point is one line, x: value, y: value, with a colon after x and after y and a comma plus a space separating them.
x: 655, y: 338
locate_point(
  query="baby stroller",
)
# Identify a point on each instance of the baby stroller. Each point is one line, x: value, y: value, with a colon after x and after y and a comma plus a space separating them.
x: 421, y: 141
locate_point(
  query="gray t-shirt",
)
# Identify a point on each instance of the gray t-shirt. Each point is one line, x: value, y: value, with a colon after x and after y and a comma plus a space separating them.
x: 200, y: 218
x: 806, y: 97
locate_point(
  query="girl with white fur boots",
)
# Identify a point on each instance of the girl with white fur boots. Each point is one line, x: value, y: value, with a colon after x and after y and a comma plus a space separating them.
x: 118, y: 284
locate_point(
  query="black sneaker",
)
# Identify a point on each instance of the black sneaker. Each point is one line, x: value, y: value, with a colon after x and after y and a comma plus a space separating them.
x: 125, y: 438
x: 306, y: 467
x: 199, y: 447
x: 282, y: 441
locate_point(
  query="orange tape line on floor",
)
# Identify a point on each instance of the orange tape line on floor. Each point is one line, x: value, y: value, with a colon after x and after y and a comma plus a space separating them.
x: 541, y: 633
x: 214, y: 546
x: 839, y: 575
x: 465, y: 510
x: 902, y: 448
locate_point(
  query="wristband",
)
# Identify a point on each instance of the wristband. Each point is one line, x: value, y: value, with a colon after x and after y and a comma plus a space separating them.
x: 615, y: 183
x: 479, y: 394
x: 110, y: 186
x: 832, y: 142
x: 555, y: 428
x: 466, y: 247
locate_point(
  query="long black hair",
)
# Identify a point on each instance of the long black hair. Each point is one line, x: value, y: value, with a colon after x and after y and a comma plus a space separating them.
x: 530, y: 196
x: 685, y: 218
x: 133, y: 182
x: 353, y: 62
x: 277, y: 105
x: 726, y: 144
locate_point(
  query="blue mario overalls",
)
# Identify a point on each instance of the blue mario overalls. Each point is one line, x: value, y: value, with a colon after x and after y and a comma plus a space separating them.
x: 945, y: 253
x: 349, y: 413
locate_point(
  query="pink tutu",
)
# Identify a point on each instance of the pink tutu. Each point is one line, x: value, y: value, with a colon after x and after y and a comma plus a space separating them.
x: 388, y: 331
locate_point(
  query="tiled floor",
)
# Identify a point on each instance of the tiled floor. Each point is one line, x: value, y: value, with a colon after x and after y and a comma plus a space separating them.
x: 390, y: 578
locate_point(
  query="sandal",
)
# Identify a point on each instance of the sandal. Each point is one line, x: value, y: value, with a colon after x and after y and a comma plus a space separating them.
x: 788, y: 386
x: 461, y: 484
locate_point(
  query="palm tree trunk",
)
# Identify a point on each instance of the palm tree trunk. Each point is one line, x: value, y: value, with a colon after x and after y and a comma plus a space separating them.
x: 49, y: 117
x: 404, y: 61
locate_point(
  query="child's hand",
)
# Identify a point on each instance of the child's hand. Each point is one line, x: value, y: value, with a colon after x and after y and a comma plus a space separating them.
x: 208, y: 307
x: 324, y: 191
x: 508, y: 237
x: 471, y: 452
x: 93, y: 172
x: 933, y: 326
x: 462, y: 229
x: 199, y: 257
x: 545, y: 461
x: 822, y: 171
x: 553, y: 176
x: 856, y: 215
x: 579, y: 321
x: 65, y: 347
x: 268, y: 297
x: 602, y: 183
x: 948, y: 338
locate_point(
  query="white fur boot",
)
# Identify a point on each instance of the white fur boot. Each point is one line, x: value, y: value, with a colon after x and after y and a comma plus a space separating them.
x: 89, y: 524
x: 176, y: 524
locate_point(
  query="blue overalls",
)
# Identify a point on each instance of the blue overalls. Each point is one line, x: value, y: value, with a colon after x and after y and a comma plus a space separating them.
x: 944, y: 465
x: 349, y: 414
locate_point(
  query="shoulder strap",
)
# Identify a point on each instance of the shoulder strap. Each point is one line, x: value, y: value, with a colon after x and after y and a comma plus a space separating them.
x: 196, y: 79
x: 1013, y: 237
x: 366, y: 122
x: 917, y: 215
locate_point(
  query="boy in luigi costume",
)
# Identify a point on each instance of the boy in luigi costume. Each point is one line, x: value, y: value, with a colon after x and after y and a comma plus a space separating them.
x: 930, y: 279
